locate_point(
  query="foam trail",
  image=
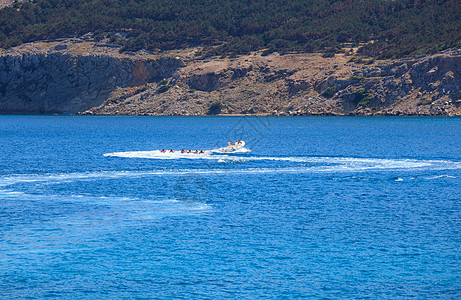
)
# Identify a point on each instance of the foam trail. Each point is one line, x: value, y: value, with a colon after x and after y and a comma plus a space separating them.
x: 439, y: 176
x: 338, y: 163
x: 119, y: 207
x: 315, y: 165
x: 156, y: 154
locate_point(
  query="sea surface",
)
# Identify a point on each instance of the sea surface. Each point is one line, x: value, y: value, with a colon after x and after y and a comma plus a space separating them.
x: 311, y: 208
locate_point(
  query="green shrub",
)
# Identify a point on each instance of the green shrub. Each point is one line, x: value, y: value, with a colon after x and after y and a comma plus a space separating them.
x: 164, y: 88
x: 359, y: 77
x: 112, y: 100
x: 329, y: 92
x: 364, y: 102
x: 362, y: 98
x: 142, y: 89
x: 215, y: 108
x: 426, y: 101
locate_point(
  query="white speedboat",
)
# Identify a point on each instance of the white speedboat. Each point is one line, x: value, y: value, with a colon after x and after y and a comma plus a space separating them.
x: 232, y: 147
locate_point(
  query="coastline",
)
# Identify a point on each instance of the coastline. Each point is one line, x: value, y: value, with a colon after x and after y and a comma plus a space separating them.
x: 84, y: 77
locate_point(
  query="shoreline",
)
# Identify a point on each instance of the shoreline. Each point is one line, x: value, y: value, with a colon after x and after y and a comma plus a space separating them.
x: 73, y: 76
x: 234, y: 116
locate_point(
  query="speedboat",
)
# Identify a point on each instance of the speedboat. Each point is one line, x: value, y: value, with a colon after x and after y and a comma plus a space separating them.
x: 232, y: 147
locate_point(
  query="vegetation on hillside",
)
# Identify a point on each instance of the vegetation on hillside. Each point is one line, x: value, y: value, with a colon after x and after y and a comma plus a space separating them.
x: 396, y: 27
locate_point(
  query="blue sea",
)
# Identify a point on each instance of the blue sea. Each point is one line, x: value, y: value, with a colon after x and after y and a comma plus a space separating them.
x: 311, y: 207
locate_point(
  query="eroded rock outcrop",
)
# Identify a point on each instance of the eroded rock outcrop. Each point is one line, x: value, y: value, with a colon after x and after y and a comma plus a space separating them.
x: 304, y: 84
x: 429, y: 85
x: 55, y: 81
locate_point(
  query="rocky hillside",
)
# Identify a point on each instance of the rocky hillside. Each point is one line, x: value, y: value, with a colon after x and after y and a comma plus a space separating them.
x: 5, y: 3
x: 77, y: 76
x: 71, y: 76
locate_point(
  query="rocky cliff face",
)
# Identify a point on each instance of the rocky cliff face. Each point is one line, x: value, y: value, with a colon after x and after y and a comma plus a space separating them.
x: 429, y: 85
x: 304, y: 84
x: 63, y: 82
x: 73, y: 76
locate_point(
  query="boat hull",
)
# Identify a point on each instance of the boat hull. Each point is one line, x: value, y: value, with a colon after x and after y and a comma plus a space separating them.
x: 233, y: 147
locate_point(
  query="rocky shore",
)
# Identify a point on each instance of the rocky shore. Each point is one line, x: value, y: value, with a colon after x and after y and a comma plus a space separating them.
x: 78, y: 76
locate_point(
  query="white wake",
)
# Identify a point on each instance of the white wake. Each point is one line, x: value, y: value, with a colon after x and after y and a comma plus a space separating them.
x: 314, y: 163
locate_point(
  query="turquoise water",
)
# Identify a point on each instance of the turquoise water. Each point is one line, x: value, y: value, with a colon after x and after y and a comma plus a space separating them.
x: 314, y: 208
